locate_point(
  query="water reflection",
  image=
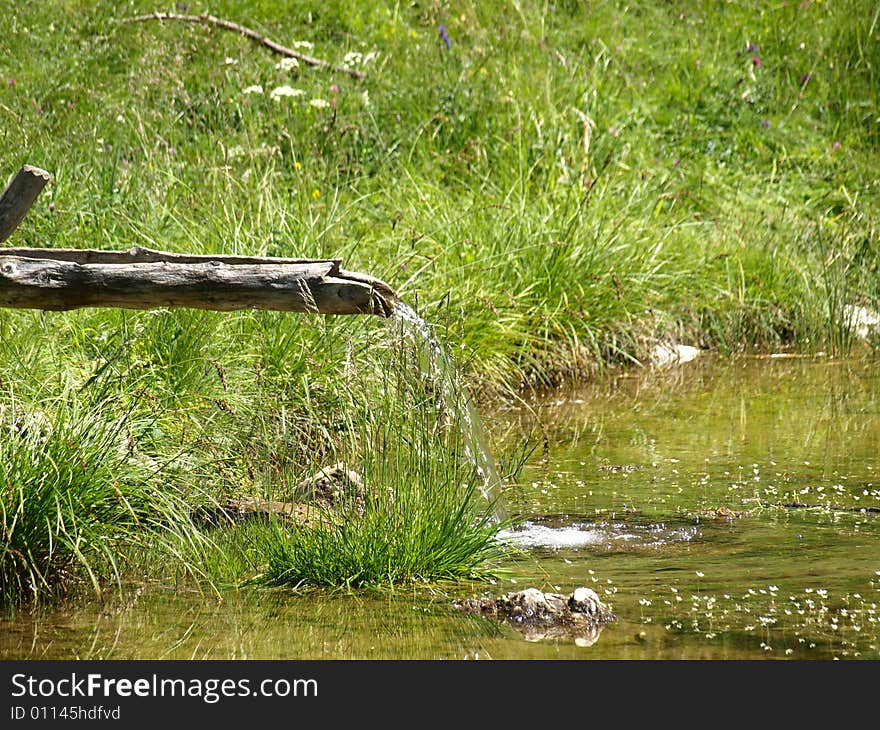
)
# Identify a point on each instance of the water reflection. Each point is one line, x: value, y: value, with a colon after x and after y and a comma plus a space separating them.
x: 171, y: 624
x: 581, y: 636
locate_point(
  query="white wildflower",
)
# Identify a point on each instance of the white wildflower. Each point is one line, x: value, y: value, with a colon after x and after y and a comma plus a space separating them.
x: 356, y: 58
x: 319, y: 103
x: 287, y: 64
x: 280, y: 91
x: 229, y: 61
x: 303, y: 44
x: 255, y: 89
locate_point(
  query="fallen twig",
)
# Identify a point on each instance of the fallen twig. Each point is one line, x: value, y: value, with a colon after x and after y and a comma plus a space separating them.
x: 207, y: 19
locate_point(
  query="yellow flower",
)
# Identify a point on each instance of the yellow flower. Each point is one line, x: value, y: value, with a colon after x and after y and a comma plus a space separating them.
x: 297, y: 165
x: 316, y: 193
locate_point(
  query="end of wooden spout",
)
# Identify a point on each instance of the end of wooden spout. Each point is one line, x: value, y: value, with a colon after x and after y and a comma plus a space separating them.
x: 384, y: 299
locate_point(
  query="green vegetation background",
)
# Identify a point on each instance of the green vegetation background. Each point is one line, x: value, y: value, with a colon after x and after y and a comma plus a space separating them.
x: 553, y: 186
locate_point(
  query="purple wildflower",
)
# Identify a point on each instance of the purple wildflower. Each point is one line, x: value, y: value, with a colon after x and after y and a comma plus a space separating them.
x: 836, y: 145
x: 444, y: 36
x: 765, y: 123
x: 182, y: 6
x: 751, y: 48
x: 806, y: 79
x: 756, y: 61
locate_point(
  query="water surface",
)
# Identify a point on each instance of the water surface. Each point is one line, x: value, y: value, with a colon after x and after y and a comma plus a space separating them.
x: 671, y: 493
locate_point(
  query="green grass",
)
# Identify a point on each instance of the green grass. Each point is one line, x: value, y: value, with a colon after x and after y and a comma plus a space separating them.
x: 422, y: 517
x: 561, y: 187
x: 74, y: 494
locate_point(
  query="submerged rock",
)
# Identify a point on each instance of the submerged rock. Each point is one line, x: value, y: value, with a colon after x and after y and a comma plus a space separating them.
x: 861, y: 320
x: 580, y: 615
x: 665, y: 353
x: 615, y: 468
x: 724, y: 513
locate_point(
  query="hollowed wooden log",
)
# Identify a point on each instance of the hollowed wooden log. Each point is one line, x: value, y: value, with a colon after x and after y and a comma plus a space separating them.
x: 139, y: 278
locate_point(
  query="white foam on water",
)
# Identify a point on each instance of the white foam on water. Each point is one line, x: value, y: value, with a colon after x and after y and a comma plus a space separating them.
x: 553, y: 537
x: 580, y: 535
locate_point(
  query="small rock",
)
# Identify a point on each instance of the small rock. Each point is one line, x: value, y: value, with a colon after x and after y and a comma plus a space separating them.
x: 861, y: 320
x: 665, y: 354
x: 332, y: 486
x: 585, y: 600
x: 538, y: 615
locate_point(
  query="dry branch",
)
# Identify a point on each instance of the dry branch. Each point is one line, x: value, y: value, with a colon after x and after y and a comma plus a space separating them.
x: 64, y: 279
x: 206, y: 19
x: 27, y: 184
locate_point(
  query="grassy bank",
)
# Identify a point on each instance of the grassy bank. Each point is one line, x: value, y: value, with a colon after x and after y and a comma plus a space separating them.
x: 553, y: 187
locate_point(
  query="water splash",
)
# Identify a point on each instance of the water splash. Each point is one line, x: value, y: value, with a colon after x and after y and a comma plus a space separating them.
x: 552, y: 537
x: 438, y: 366
x: 567, y: 535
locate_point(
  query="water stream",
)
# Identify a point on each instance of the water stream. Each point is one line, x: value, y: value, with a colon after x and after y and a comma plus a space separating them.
x: 437, y: 366
x: 554, y: 534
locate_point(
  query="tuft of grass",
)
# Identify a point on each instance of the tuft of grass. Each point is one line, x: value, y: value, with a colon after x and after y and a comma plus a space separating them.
x: 74, y: 493
x: 424, y: 514
x: 396, y: 420
x: 432, y: 534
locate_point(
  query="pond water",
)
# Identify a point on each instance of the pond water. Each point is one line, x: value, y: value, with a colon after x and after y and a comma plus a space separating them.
x: 723, y: 509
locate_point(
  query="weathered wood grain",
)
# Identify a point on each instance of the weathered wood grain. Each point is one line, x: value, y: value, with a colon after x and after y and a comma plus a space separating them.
x: 64, y: 279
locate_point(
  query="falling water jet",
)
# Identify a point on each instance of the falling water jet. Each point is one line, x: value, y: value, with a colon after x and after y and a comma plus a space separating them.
x: 440, y: 368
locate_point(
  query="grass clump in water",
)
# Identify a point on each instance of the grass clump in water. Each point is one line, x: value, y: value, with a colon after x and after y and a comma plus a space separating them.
x: 432, y: 532
x: 422, y: 514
